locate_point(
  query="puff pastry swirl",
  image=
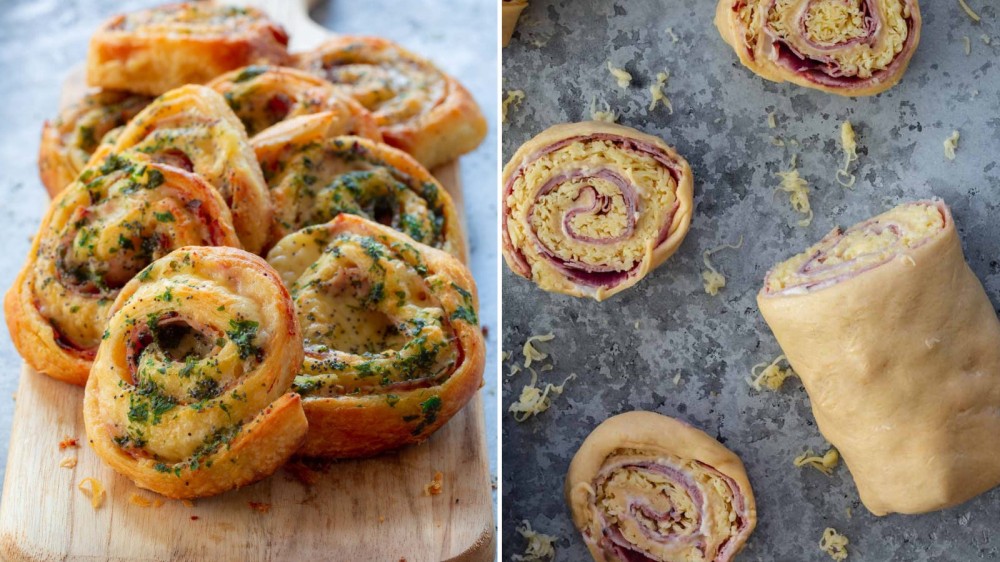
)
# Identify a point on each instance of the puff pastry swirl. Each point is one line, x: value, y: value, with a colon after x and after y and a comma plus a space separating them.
x: 393, y: 347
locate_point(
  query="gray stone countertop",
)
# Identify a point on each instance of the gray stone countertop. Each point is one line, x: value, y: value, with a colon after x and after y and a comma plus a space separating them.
x: 627, y: 351
x: 41, y: 40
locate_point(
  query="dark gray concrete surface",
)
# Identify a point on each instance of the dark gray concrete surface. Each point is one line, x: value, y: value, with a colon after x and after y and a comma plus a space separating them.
x: 558, y: 57
x: 41, y: 40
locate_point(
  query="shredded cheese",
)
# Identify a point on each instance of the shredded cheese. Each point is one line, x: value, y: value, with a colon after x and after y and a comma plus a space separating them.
x: 606, y: 115
x: 143, y: 501
x: 849, y: 144
x: 824, y: 464
x: 771, y: 375
x: 950, y: 145
x: 986, y: 39
x: 534, y: 400
x: 968, y: 10
x: 512, y: 100
x: 673, y: 36
x: 968, y: 45
x: 677, y: 378
x: 504, y: 356
x: 656, y: 90
x: 715, y: 280
x: 834, y: 544
x: 93, y: 490
x: 776, y: 141
x: 435, y: 486
x: 772, y: 121
x: 532, y: 354
x: 68, y: 462
x: 540, y: 547
x: 621, y: 75
x: 798, y: 191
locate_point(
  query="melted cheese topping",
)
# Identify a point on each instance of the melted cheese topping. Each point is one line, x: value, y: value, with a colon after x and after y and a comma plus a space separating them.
x: 951, y: 145
x: 544, y: 215
x: 513, y: 99
x: 797, y: 189
x: 534, y: 400
x: 825, y: 463
x: 770, y: 376
x: 834, y: 544
x: 540, y: 547
x: 849, y: 145
x: 620, y: 75
x: 656, y: 90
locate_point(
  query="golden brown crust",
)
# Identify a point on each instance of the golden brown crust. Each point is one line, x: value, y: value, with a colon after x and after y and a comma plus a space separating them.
x: 193, y: 128
x: 159, y: 49
x: 393, y: 344
x: 263, y: 96
x: 96, y: 235
x: 419, y: 108
x: 69, y: 141
x: 189, y: 392
x: 313, y: 177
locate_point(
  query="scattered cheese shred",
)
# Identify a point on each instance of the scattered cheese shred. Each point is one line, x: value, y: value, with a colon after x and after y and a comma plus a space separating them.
x: 950, y: 145
x: 606, y: 114
x: 621, y: 75
x: 530, y: 353
x: 798, y: 191
x: 714, y: 280
x: 772, y: 121
x: 824, y: 464
x: 677, y: 378
x: 540, y: 547
x: 986, y: 39
x: 534, y: 400
x: 68, y: 462
x: 673, y: 36
x: 504, y: 356
x: 968, y: 10
x: 93, y: 490
x: 776, y: 141
x: 436, y: 485
x: 834, y: 544
x: 656, y: 90
x: 143, y: 501
x: 968, y: 45
x: 849, y: 144
x: 512, y: 100
x: 771, y: 375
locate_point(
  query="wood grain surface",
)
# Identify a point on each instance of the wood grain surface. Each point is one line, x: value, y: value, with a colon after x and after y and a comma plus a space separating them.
x: 372, y: 509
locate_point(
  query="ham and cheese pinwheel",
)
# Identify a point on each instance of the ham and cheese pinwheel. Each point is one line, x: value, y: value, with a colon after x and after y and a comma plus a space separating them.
x: 845, y: 47
x: 898, y: 347
x: 590, y: 208
x: 645, y: 487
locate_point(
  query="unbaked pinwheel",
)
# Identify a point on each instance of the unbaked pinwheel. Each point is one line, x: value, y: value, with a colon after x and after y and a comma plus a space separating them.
x: 393, y: 347
x: 99, y: 232
x: 511, y: 11
x: 262, y: 96
x: 313, y: 177
x: 69, y: 141
x: 590, y: 208
x: 155, y: 50
x: 419, y: 108
x: 645, y: 487
x: 189, y: 395
x: 845, y: 47
x: 898, y: 347
x: 192, y: 128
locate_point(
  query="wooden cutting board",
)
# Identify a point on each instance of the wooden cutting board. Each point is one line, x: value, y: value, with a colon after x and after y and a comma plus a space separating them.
x: 374, y: 509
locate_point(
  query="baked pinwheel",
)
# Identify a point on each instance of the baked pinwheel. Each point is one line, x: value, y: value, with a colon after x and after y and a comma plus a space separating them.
x: 845, y: 47
x: 590, y: 208
x: 69, y: 141
x: 419, y: 108
x: 314, y: 177
x: 189, y: 394
x: 98, y: 233
x: 898, y: 347
x: 511, y: 11
x: 162, y: 48
x: 192, y: 128
x: 393, y: 347
x: 648, y: 487
x: 262, y: 96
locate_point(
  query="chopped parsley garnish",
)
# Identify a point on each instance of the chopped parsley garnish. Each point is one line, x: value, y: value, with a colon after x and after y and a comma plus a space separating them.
x: 242, y: 333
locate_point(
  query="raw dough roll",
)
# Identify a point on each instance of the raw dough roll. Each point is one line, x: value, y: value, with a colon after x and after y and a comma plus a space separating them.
x: 651, y: 488
x: 192, y: 128
x: 419, y: 108
x: 98, y: 233
x: 189, y: 395
x: 845, y: 47
x: 263, y: 96
x: 590, y: 208
x: 392, y: 339
x: 899, y: 349
x: 511, y: 12
x: 162, y: 48
x: 313, y: 177
x: 69, y: 141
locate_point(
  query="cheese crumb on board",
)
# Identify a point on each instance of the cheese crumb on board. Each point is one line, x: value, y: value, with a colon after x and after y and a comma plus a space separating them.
x: 797, y: 189
x: 531, y: 354
x: 986, y: 39
x: 772, y: 121
x: 673, y: 36
x: 540, y: 547
x: 143, y: 501
x: 849, y: 144
x: 606, y: 115
x: 834, y: 544
x: 94, y: 490
x: 535, y: 400
x: 435, y: 486
x: 713, y: 278
x: 512, y: 100
x: 968, y: 45
x: 771, y: 375
x: 950, y: 145
x: 656, y: 90
x: 68, y: 462
x: 621, y: 75
x: 824, y: 464
x: 968, y: 10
